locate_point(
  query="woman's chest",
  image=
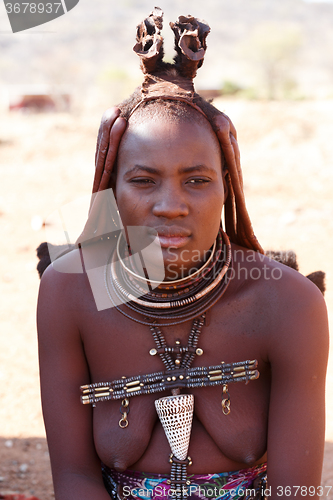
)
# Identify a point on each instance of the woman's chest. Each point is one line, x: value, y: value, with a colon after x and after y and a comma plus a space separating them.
x: 118, y: 348
x: 219, y: 441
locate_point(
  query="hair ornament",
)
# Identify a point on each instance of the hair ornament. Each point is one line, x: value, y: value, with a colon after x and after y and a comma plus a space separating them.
x: 164, y: 80
x: 149, y: 46
x: 190, y: 44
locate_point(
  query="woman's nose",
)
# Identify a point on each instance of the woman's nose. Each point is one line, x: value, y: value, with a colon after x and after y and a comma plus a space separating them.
x: 170, y: 204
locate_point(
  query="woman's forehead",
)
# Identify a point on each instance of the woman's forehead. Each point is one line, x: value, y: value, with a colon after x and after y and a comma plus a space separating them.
x: 169, y: 129
x: 161, y: 141
x: 170, y: 110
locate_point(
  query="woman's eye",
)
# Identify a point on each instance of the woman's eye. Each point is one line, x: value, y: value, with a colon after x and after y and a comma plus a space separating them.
x: 142, y: 181
x: 198, y: 181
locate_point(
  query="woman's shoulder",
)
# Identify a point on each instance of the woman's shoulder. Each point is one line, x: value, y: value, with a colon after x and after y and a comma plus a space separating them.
x: 276, y: 270
x: 288, y: 309
x: 64, y: 278
x: 289, y: 296
x: 63, y: 268
x: 76, y: 279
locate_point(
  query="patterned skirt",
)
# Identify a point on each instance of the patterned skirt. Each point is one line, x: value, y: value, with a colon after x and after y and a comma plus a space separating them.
x: 245, y: 484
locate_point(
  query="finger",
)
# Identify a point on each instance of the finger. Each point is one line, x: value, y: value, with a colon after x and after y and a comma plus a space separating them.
x: 102, y: 146
x: 116, y: 135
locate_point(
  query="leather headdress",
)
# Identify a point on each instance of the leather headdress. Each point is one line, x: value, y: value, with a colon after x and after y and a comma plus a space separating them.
x: 170, y: 81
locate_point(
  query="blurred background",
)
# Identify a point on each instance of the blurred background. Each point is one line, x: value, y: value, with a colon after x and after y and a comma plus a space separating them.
x: 269, y: 66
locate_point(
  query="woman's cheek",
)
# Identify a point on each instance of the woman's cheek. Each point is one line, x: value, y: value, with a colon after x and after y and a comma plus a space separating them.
x: 130, y: 209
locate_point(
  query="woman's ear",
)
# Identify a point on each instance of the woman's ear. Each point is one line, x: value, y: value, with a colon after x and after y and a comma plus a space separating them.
x: 225, y: 173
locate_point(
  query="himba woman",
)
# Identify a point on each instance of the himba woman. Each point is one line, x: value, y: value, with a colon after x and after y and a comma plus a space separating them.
x: 209, y: 381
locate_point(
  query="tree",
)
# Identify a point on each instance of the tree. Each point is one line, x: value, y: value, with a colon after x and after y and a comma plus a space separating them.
x: 274, y: 49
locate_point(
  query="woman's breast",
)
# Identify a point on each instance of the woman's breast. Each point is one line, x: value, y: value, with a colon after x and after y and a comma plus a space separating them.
x: 119, y: 446
x: 115, y: 347
x: 218, y: 442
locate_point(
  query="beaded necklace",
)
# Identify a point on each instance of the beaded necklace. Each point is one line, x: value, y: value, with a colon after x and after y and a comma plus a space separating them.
x: 200, y: 294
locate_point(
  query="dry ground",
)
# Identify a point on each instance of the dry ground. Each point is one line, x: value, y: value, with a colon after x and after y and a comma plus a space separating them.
x: 47, y: 160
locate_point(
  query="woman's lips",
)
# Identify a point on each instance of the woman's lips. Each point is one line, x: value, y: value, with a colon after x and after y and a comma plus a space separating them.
x: 173, y: 241
x: 171, y: 236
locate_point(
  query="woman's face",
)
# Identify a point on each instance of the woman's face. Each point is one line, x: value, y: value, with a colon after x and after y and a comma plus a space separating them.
x: 169, y: 179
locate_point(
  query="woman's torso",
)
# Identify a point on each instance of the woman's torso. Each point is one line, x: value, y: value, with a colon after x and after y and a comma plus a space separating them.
x: 240, y: 327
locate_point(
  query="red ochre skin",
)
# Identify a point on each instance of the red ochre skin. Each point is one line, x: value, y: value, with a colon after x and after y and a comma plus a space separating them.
x: 269, y: 312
